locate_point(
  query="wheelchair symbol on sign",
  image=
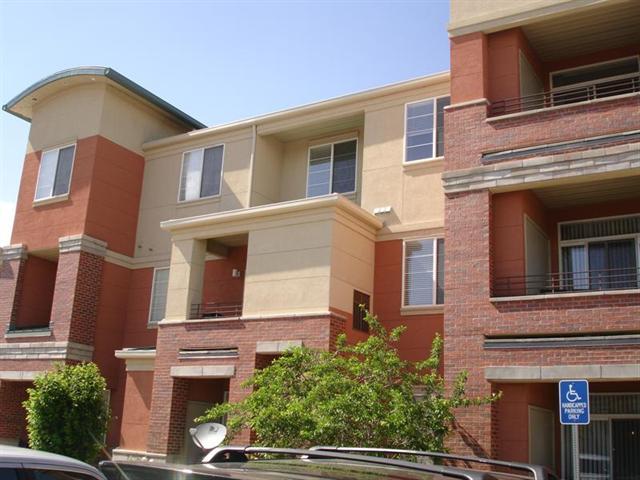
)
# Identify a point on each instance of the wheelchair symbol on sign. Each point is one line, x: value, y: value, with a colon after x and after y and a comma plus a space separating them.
x: 572, y: 395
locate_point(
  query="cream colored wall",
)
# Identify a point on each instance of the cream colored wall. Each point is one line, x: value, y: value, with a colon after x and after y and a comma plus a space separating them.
x: 413, y: 191
x: 97, y: 108
x: 467, y: 16
x: 288, y: 269
x: 161, y: 184
x: 352, y: 263
x: 66, y: 116
x: 130, y: 123
x: 267, y: 171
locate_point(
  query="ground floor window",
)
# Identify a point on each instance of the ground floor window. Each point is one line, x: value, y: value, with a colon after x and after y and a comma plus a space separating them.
x: 608, y: 447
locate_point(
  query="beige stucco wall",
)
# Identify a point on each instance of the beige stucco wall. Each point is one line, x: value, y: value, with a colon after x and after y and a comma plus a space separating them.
x: 267, y: 171
x: 467, y: 16
x: 288, y: 269
x: 161, y: 184
x: 96, y: 108
x: 66, y: 116
x: 352, y: 263
x: 130, y: 122
x: 413, y: 191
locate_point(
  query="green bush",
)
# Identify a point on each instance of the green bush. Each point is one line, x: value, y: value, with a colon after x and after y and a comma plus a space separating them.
x: 360, y: 395
x: 67, y: 412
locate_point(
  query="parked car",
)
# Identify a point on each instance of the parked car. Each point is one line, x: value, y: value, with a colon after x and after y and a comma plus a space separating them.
x: 258, y: 463
x: 24, y: 464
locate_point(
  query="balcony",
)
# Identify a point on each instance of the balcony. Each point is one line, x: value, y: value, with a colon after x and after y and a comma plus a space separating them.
x: 567, y: 282
x: 562, y: 96
x: 215, y: 310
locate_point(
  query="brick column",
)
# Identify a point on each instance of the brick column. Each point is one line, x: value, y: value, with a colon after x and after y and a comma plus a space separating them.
x: 13, y: 423
x: 12, y: 266
x: 467, y: 312
x: 77, y: 290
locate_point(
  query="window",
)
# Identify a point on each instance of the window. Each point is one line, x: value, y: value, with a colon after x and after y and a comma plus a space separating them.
x: 423, y: 272
x: 158, y: 295
x: 54, y: 176
x: 201, y: 173
x: 424, y: 131
x: 600, y: 254
x: 361, y: 305
x: 332, y: 168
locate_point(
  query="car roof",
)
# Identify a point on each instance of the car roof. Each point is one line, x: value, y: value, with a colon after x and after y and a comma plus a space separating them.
x: 287, y: 468
x: 38, y: 458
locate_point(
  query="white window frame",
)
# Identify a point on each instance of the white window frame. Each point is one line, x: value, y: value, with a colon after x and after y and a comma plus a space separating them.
x: 434, y: 274
x: 221, y: 172
x: 317, y: 145
x: 435, y: 128
x: 584, y: 242
x: 151, y: 323
x: 584, y: 84
x: 73, y: 161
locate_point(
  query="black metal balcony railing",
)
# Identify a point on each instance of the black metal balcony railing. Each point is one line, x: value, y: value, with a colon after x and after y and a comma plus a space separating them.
x: 567, y: 282
x: 215, y: 310
x: 567, y: 95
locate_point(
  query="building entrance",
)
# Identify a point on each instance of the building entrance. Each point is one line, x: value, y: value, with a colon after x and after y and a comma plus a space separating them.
x: 608, y: 447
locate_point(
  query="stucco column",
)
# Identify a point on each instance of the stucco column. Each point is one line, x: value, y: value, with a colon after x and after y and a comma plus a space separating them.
x: 12, y: 262
x: 185, y: 277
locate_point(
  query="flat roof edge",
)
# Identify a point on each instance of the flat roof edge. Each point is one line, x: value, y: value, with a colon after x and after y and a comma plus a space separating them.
x: 390, y: 88
x: 112, y: 75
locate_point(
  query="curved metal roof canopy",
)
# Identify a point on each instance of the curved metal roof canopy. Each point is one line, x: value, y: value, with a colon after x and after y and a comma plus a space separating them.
x: 108, y: 73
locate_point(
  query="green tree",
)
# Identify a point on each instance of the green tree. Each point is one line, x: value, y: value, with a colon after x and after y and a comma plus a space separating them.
x: 67, y: 412
x: 359, y: 395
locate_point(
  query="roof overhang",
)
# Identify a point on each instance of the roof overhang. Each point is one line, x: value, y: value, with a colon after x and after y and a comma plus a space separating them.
x: 22, y: 104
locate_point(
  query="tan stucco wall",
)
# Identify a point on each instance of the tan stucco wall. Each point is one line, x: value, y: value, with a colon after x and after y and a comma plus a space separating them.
x: 288, y: 269
x: 467, y: 16
x: 352, y: 263
x: 66, y: 116
x: 161, y: 184
x: 96, y: 108
x: 267, y: 171
x: 130, y: 123
x: 413, y: 191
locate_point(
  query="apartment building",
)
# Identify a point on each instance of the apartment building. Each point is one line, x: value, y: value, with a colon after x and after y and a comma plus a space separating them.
x: 542, y: 228
x: 181, y: 258
x: 498, y: 205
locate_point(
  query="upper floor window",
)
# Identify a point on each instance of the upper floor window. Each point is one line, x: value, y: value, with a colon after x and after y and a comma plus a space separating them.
x: 424, y: 129
x: 159, y: 295
x: 423, y: 272
x: 201, y: 175
x: 54, y: 176
x: 332, y: 168
x: 601, y: 254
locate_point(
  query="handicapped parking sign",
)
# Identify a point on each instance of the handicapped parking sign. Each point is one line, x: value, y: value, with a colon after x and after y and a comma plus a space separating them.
x: 574, y: 402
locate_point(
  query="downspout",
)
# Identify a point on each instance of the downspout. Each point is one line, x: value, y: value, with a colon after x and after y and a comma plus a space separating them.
x: 252, y: 159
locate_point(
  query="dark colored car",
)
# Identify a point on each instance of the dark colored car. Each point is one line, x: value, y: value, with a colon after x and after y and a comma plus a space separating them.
x: 258, y: 463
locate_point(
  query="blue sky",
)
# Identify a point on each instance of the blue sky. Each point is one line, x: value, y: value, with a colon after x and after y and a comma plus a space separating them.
x: 217, y: 60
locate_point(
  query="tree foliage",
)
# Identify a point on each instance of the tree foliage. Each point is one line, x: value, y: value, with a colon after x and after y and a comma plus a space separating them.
x: 359, y: 395
x: 67, y: 412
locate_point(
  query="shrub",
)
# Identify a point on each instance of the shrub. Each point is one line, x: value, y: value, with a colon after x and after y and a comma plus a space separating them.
x: 359, y: 395
x: 67, y: 412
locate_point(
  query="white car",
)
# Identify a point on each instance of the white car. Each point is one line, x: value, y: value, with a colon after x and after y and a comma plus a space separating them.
x: 24, y: 464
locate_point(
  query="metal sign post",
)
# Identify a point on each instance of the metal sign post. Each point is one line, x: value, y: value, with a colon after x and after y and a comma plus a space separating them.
x: 573, y: 396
